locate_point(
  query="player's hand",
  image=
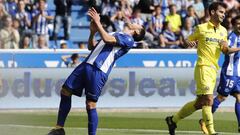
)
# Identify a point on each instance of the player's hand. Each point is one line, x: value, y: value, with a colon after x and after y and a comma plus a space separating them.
x: 94, y: 15
x: 191, y: 44
x: 224, y: 46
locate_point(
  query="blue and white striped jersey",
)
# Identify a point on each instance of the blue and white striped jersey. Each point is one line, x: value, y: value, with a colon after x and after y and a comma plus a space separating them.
x: 231, y: 65
x: 21, y: 17
x: 40, y: 26
x: 103, y: 56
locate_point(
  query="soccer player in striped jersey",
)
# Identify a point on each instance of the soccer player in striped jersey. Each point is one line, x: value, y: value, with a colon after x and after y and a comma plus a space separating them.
x: 93, y: 73
x: 230, y: 74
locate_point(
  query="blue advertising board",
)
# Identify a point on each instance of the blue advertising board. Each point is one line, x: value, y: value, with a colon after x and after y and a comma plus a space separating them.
x: 166, y: 58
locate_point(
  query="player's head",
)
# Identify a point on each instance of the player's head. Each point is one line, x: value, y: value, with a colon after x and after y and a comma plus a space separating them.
x: 137, y: 31
x: 236, y: 24
x: 217, y: 11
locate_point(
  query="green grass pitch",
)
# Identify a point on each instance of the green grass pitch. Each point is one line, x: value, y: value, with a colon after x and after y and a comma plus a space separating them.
x: 111, y: 123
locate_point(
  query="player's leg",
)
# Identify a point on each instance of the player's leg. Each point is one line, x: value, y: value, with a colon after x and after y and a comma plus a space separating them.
x: 205, y: 77
x: 185, y: 111
x: 92, y: 117
x: 226, y: 85
x: 237, y: 108
x: 236, y: 93
x: 95, y: 80
x: 73, y: 85
x: 64, y: 108
x: 217, y: 101
x: 205, y: 102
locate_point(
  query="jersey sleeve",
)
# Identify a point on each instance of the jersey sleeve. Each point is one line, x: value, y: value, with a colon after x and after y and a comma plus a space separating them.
x: 124, y: 40
x: 195, y: 35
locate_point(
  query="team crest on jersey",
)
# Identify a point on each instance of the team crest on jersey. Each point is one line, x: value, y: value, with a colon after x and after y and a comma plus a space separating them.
x: 206, y: 88
x: 227, y: 90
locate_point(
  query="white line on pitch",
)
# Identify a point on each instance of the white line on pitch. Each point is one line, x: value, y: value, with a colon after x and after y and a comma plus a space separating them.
x: 111, y: 129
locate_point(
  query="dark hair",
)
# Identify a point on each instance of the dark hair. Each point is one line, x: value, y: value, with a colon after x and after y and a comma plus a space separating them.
x: 165, y: 25
x: 74, y: 56
x: 140, y: 36
x: 172, y: 5
x: 234, y: 20
x: 189, y: 7
x: 214, y: 6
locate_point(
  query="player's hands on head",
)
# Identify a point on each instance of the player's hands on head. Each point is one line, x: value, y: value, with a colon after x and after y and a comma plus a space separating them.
x: 94, y: 15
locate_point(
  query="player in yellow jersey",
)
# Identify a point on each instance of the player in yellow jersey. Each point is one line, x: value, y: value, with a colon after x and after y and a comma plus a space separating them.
x: 210, y: 39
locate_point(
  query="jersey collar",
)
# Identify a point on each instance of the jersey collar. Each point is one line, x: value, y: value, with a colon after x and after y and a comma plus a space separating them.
x: 212, y: 25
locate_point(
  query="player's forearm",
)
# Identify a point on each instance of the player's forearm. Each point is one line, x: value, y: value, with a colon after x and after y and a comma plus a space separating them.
x: 91, y: 41
x: 232, y: 50
x: 109, y: 39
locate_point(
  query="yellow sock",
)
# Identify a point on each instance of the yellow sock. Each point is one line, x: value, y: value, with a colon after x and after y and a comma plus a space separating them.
x: 185, y: 111
x: 208, y: 118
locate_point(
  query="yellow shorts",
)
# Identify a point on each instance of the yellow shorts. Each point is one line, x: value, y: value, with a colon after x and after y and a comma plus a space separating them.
x: 205, y: 77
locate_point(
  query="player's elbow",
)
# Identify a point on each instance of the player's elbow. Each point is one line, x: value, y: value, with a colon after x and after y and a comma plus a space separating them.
x: 225, y: 50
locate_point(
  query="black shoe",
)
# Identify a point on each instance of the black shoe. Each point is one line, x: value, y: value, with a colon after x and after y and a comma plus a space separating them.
x: 171, y: 125
x: 59, y: 131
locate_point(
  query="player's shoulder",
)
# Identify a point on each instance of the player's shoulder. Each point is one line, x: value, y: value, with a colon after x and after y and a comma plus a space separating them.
x: 124, y: 37
x: 202, y: 25
x: 223, y: 29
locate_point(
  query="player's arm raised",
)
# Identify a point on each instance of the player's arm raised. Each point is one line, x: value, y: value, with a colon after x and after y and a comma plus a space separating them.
x: 107, y: 38
x: 91, y: 40
x: 227, y: 50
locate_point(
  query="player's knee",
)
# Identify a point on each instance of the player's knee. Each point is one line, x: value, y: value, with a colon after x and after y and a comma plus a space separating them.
x: 198, y: 105
x: 65, y: 92
x: 208, y: 101
x: 205, y: 100
x: 90, y: 105
x: 221, y: 98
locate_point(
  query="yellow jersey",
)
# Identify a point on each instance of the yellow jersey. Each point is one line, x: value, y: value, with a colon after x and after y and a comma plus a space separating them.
x: 175, y: 21
x: 208, y: 38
